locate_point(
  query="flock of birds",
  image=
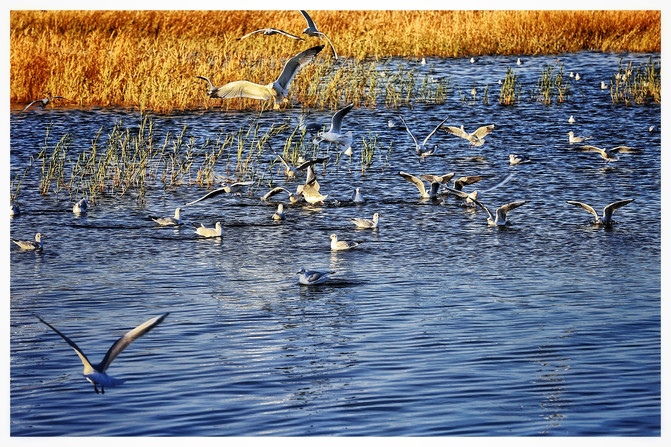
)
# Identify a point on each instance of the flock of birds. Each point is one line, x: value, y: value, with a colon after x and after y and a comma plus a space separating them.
x: 309, y: 190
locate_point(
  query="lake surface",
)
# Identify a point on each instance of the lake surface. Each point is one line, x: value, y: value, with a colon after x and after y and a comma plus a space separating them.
x: 437, y: 325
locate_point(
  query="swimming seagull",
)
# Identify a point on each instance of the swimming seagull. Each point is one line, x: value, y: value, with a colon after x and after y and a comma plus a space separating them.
x: 357, y: 197
x: 204, y: 231
x: 37, y: 244
x: 310, y: 277
x: 270, y: 32
x: 609, y: 154
x: 234, y: 188
x: 421, y: 149
x: 606, y: 218
x: 80, y: 207
x: 476, y: 138
x: 603, y: 85
x: 366, y: 223
x: 575, y: 139
x: 312, y: 31
x: 168, y: 221
x: 96, y: 373
x: 571, y: 120
x: 43, y: 102
x: 436, y: 182
x: 337, y: 245
x: 501, y: 218
x: 334, y: 134
x: 277, y: 90
x: 515, y: 159
x: 279, y: 214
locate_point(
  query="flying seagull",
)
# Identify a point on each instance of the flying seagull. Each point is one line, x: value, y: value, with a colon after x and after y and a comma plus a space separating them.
x: 334, y: 134
x: 43, y: 102
x: 270, y: 32
x: 476, y: 138
x: 607, y: 216
x: 500, y: 219
x: 233, y: 188
x: 96, y: 373
x: 312, y: 31
x: 608, y: 154
x: 421, y: 149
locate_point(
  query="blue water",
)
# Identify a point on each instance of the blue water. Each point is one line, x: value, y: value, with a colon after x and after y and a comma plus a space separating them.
x: 437, y: 325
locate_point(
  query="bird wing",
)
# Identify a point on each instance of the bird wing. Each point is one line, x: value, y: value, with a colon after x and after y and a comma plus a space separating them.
x: 254, y: 32
x: 442, y: 179
x: 510, y: 206
x: 274, y: 191
x: 501, y: 183
x: 28, y: 106
x: 312, y: 162
x: 335, y: 55
x: 296, y: 62
x: 592, y: 149
x: 610, y: 209
x: 308, y: 19
x: 87, y: 365
x: 434, y: 130
x: 243, y: 89
x: 336, y: 121
x: 130, y: 336
x: 624, y: 149
x: 408, y: 129
x: 584, y: 206
x: 458, y: 131
x: 214, y: 193
x: 483, y: 131
x: 466, y: 180
x: 415, y: 181
x: 206, y: 79
x: 482, y: 205
x: 457, y: 192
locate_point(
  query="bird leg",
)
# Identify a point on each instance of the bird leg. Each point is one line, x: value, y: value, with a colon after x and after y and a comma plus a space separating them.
x: 95, y: 387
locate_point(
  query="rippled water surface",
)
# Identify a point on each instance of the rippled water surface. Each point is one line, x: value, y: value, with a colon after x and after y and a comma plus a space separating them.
x: 437, y: 325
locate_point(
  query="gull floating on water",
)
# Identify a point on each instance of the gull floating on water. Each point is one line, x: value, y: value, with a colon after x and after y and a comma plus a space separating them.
x: 312, y: 31
x: 476, y: 138
x: 357, y: 197
x: 270, y: 32
x: 277, y: 90
x: 436, y: 182
x: 334, y: 134
x: 515, y: 159
x: 366, y: 223
x: 337, y: 245
x: 571, y: 120
x: 606, y: 218
x: 80, y: 207
x: 279, y: 214
x: 609, y: 154
x: 37, y: 244
x: 204, y: 231
x: 233, y: 188
x: 603, y: 85
x: 167, y: 221
x: 519, y: 61
x: 576, y: 139
x: 421, y: 149
x: 43, y: 102
x: 310, y: 277
x: 500, y: 219
x: 96, y: 373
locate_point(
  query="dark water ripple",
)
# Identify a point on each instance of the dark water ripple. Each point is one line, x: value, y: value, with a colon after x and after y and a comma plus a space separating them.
x: 436, y: 326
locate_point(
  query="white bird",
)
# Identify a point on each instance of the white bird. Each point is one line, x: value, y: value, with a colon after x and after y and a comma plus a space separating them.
x: 310, y: 192
x: 466, y: 180
x: 436, y: 182
x: 167, y: 221
x: 204, y: 231
x: 609, y: 154
x: 234, y: 188
x: 577, y: 76
x: 80, y: 207
x: 337, y: 245
x: 575, y: 139
x: 603, y: 85
x: 473, y: 60
x: 472, y: 197
x: 310, y: 277
x: 96, y: 373
x: 334, y: 134
x: 366, y: 223
x: 357, y: 197
x: 294, y: 171
x: 37, y: 244
x: 519, y: 61
x: 312, y: 31
x: 270, y: 32
x: 476, y: 138
x: 500, y: 219
x: 571, y: 120
x: 423, y: 62
x: 307, y: 127
x: 277, y: 90
x: 279, y: 214
x: 348, y: 151
x: 43, y: 102
x: 421, y: 149
x: 515, y: 159
x: 277, y: 190
x: 606, y: 217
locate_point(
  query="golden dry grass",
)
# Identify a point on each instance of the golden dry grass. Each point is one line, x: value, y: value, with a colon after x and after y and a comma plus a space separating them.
x: 149, y: 59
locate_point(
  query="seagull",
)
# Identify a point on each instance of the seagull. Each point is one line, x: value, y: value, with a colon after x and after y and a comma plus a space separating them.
x: 515, y: 159
x: 357, y: 197
x: 37, y: 244
x: 277, y: 90
x: 476, y: 138
x: 312, y: 31
x: 603, y: 85
x: 500, y: 219
x: 571, y: 120
x: 80, y: 207
x: 577, y: 76
x: 474, y: 60
x: 609, y: 154
x: 270, y: 32
x: 279, y: 214
x: 435, y: 181
x: 421, y: 149
x: 277, y: 190
x: 366, y: 223
x: 233, y: 188
x: 307, y: 127
x: 14, y: 210
x: 519, y: 61
x: 573, y: 139
x: 96, y: 373
x: 310, y: 277
x: 43, y: 102
x: 334, y: 135
x: 337, y: 245
x: 471, y: 197
x: 466, y: 180
x: 606, y: 218
x: 167, y: 221
x: 310, y: 192
x: 291, y: 171
x: 209, y: 232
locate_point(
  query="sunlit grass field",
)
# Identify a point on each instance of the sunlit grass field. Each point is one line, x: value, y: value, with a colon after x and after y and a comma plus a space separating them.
x: 149, y: 59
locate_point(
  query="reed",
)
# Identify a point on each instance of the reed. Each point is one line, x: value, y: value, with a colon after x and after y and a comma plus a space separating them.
x: 636, y: 85
x: 149, y: 59
x: 552, y: 85
x: 511, y: 90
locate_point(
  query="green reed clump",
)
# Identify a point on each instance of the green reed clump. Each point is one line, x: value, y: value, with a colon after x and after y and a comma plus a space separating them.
x: 368, y: 147
x: 636, y: 85
x: 552, y: 85
x: 511, y: 90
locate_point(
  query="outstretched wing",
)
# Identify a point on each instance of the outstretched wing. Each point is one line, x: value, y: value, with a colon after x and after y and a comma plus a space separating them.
x: 591, y: 149
x: 434, y: 130
x: 274, y: 191
x: 442, y: 179
x: 253, y: 32
x: 29, y: 105
x: 296, y: 62
x: 466, y: 180
x: 243, y: 89
x: 511, y: 206
x: 210, y: 194
x: 584, y: 206
x: 335, y: 55
x: 87, y: 365
x: 624, y: 149
x: 483, y: 131
x: 308, y: 19
x: 458, y: 131
x: 127, y: 339
x: 610, y: 209
x: 415, y: 181
x: 336, y: 121
x: 408, y: 129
